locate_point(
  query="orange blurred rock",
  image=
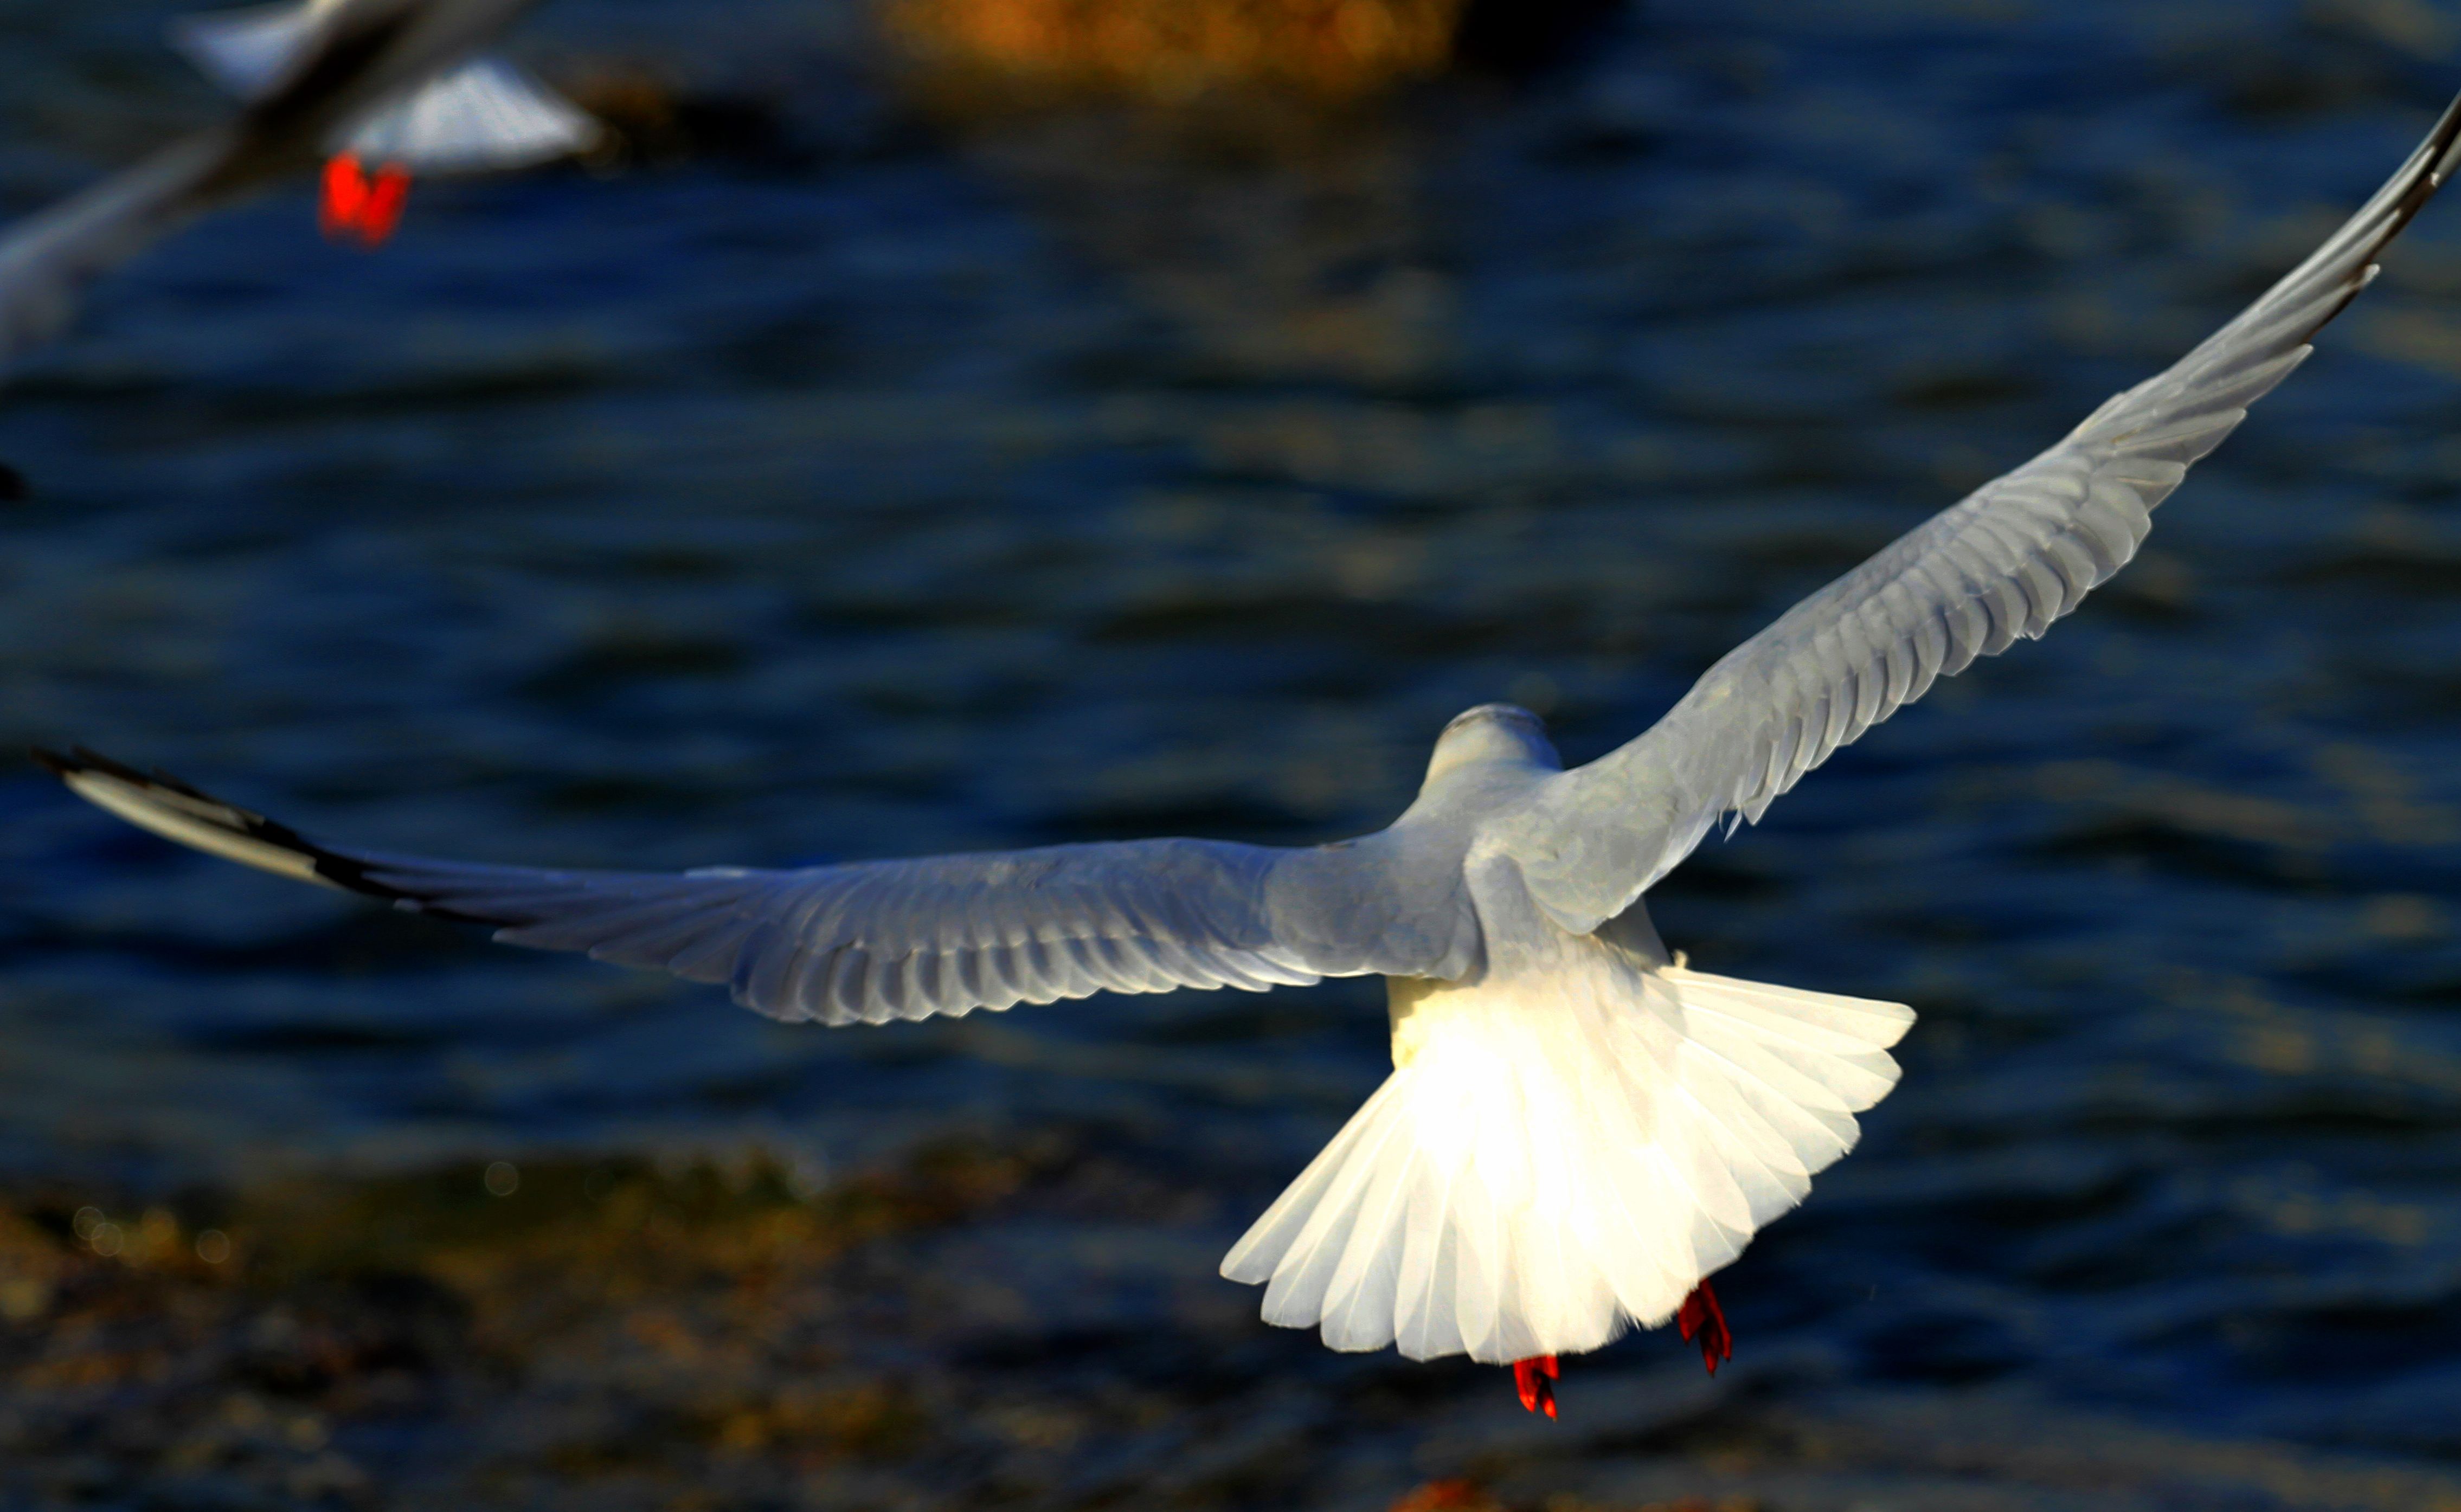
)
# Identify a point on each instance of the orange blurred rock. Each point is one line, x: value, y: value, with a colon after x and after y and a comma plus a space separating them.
x: 1174, y: 50
x: 1447, y: 1496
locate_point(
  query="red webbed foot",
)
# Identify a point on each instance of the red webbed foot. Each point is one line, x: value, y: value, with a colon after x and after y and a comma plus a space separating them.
x: 358, y: 207
x: 1536, y: 1378
x: 1701, y: 1319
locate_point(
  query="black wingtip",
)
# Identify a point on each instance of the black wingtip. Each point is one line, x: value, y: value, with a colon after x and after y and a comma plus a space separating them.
x: 85, y: 758
x: 2441, y: 150
x: 344, y: 872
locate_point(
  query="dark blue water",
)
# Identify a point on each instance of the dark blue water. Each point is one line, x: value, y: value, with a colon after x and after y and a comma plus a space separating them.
x: 875, y: 486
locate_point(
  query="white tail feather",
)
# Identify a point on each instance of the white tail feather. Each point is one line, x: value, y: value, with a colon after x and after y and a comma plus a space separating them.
x: 1565, y: 1153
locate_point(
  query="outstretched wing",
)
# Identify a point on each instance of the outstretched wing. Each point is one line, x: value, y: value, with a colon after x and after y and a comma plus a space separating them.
x: 2013, y: 556
x: 875, y: 941
x: 48, y: 259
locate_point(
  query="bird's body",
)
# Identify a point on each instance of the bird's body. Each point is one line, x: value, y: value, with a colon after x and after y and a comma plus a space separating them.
x: 1572, y: 1137
x: 1578, y: 1128
x: 384, y: 81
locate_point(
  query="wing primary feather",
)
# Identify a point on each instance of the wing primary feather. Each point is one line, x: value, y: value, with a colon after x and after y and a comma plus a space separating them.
x: 867, y: 941
x: 2005, y: 562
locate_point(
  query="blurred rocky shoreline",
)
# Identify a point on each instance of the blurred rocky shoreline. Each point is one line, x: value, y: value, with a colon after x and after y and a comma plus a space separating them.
x: 704, y: 1336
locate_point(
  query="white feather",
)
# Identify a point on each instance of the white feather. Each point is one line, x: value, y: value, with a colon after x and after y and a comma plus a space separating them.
x: 1564, y: 1148
x: 247, y: 51
x: 485, y: 114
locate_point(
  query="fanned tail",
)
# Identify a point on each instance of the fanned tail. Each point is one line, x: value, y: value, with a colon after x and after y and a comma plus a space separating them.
x: 1557, y: 1158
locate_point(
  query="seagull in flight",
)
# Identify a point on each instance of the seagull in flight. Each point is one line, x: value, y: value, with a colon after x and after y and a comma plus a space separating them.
x: 393, y: 83
x: 1580, y: 1128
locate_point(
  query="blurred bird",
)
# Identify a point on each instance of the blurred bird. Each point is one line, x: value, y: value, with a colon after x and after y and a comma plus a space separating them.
x: 378, y: 89
x: 1580, y: 1128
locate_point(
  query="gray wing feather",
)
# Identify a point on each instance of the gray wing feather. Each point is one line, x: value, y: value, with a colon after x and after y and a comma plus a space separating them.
x: 2002, y: 565
x: 880, y: 940
x: 876, y: 941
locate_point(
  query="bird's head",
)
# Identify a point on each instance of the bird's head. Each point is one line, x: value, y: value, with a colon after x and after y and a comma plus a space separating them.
x: 1493, y: 734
